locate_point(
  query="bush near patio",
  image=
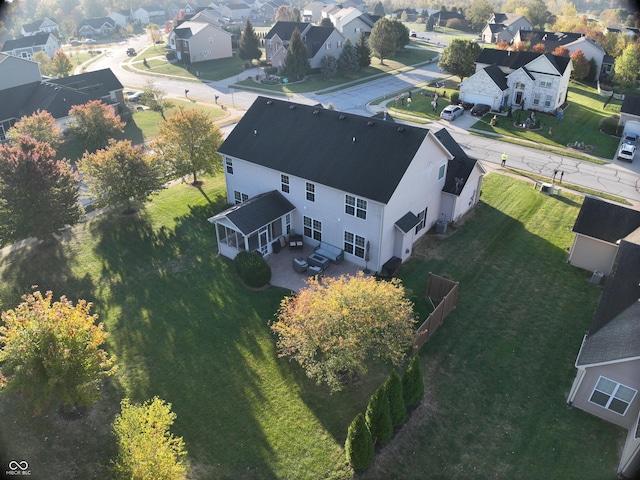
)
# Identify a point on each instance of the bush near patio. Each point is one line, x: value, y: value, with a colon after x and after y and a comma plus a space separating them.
x: 497, y: 371
x: 253, y: 269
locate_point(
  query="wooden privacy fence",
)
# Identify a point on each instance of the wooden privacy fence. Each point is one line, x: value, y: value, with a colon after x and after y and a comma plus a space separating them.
x: 443, y: 294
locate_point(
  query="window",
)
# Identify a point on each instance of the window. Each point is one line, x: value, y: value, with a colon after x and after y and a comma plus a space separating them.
x: 612, y: 395
x: 210, y: 40
x: 355, y: 206
x: 311, y: 192
x: 284, y: 183
x: 546, y: 82
x: 422, y: 219
x: 327, y: 45
x: 339, y: 44
x: 287, y: 223
x: 441, y: 171
x: 536, y: 99
x: 547, y: 101
x: 240, y: 197
x: 312, y: 228
x: 229, y: 164
x: 354, y: 244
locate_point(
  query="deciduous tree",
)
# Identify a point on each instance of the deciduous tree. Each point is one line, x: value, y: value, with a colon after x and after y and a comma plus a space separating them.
x: 326, y: 22
x: 188, y: 141
x: 537, y: 13
x: 38, y: 194
x: 50, y: 351
x: 61, y: 65
x: 363, y: 51
x: 478, y: 14
x: 348, y: 60
x: 146, y: 447
x: 627, y: 66
x: 249, y: 48
x: 580, y: 65
x: 93, y: 124
x: 154, y: 98
x: 539, y: 48
x: 45, y: 62
x: 121, y: 174
x: 561, y: 51
x: 296, y: 61
x: 40, y: 126
x: 288, y: 14
x: 359, y: 445
x: 332, y: 329
x: 458, y: 58
x: 383, y: 39
x: 402, y: 32
x: 155, y: 35
x: 378, y: 417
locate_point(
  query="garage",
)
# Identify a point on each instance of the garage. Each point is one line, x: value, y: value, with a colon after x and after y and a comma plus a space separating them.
x: 631, y: 127
x: 478, y: 98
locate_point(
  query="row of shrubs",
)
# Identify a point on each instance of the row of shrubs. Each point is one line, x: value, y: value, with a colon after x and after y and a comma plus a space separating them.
x: 253, y: 269
x: 387, y: 409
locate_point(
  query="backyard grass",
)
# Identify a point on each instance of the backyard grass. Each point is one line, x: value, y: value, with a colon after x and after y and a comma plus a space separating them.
x: 142, y: 127
x: 183, y: 328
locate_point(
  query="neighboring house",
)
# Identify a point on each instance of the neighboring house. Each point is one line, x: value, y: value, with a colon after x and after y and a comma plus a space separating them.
x: 312, y: 12
x: 441, y: 18
x: 46, y: 25
x: 608, y: 364
x: 350, y: 22
x: 196, y: 41
x: 97, y: 27
x: 572, y: 42
x: 599, y: 228
x: 504, y: 26
x: 538, y: 81
x: 236, y: 11
x: 149, y: 14
x: 58, y: 96
x: 630, y: 114
x: 16, y: 71
x: 320, y: 41
x: 412, y: 13
x: 26, y: 47
x: 121, y: 18
x: 338, y: 178
x: 184, y: 9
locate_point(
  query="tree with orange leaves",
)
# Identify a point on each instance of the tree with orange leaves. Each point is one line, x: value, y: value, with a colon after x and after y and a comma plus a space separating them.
x: 333, y: 328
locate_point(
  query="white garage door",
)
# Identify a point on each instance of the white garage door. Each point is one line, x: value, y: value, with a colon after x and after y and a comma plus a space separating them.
x: 632, y: 127
x: 478, y: 98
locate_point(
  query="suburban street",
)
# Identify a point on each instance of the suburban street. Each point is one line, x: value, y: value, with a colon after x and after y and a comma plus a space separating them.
x: 617, y: 178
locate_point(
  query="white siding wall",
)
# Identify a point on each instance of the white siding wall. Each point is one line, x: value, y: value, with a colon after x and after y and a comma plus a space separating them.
x: 592, y: 254
x: 480, y: 88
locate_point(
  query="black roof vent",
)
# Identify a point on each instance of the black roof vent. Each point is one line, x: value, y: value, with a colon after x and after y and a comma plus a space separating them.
x: 341, y: 117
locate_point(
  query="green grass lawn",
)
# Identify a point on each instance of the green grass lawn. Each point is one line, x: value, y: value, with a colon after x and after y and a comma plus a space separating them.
x: 213, y: 70
x: 143, y: 127
x: 185, y: 329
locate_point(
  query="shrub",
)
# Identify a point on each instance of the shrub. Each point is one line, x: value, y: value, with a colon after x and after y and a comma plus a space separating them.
x: 397, y: 408
x: 609, y: 125
x: 252, y: 268
x: 270, y: 70
x: 378, y: 417
x: 359, y: 445
x: 171, y: 55
x: 455, y: 96
x: 412, y: 383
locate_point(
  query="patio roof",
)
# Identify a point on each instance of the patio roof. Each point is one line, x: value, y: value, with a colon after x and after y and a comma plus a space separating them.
x: 256, y: 212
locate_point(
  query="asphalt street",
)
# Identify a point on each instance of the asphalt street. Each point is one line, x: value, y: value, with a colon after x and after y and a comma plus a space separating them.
x: 617, y: 178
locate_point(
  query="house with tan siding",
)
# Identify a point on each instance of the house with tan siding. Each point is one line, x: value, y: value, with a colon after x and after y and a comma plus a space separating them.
x: 195, y: 41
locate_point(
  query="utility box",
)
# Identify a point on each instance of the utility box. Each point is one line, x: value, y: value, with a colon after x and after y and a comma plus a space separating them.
x: 597, y: 277
x: 441, y: 226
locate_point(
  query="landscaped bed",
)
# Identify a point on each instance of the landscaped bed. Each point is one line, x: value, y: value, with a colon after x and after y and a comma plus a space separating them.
x: 184, y: 328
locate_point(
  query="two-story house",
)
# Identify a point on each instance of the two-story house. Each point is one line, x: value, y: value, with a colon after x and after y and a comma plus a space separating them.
x: 199, y: 41
x: 530, y: 80
x: 339, y: 178
x: 46, y: 25
x: 149, y: 14
x: 235, y: 11
x: 350, y: 22
x: 96, y: 27
x: 320, y: 41
x: 122, y: 18
x: 503, y: 27
x: 26, y: 47
x: 182, y: 10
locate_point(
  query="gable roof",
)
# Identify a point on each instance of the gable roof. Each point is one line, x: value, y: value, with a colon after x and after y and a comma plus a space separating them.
x: 552, y: 40
x: 26, y: 42
x: 515, y: 60
x: 497, y: 75
x: 256, y: 212
x: 605, y: 221
x: 284, y: 30
x: 459, y: 168
x: 348, y: 152
x: 614, y: 333
x: 35, y: 26
x: 630, y: 105
x: 315, y: 37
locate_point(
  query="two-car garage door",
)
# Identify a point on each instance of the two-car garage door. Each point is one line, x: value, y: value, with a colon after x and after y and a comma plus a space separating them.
x: 478, y: 98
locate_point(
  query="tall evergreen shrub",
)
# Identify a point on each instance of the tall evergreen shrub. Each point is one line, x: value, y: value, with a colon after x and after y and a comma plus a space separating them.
x: 359, y: 445
x: 378, y: 417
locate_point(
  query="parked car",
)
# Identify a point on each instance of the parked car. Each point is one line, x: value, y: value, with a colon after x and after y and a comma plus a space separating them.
x: 480, y: 109
x: 134, y: 97
x: 451, y: 112
x: 75, y: 43
x: 90, y: 40
x: 465, y: 105
x: 413, y: 34
x: 627, y: 152
x: 631, y: 138
x: 131, y: 52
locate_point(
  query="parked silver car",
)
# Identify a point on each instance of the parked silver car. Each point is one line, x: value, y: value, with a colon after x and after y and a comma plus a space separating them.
x: 451, y: 112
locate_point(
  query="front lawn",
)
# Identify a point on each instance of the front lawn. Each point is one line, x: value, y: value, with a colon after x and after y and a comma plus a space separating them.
x: 185, y: 329
x: 213, y: 70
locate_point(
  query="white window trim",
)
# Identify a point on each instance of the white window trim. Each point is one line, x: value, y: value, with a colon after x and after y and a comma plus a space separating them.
x: 612, y: 395
x: 442, y: 171
x: 359, y: 205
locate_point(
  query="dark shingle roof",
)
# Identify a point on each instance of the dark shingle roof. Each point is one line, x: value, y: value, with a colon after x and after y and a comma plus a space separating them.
x: 284, y: 30
x: 615, y: 331
x: 498, y: 76
x: 630, y: 105
x: 605, y: 221
x: 315, y: 37
x: 348, y: 152
x: 97, y: 23
x: 407, y: 222
x: 256, y: 212
x: 26, y: 42
x: 515, y: 60
x: 459, y: 168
